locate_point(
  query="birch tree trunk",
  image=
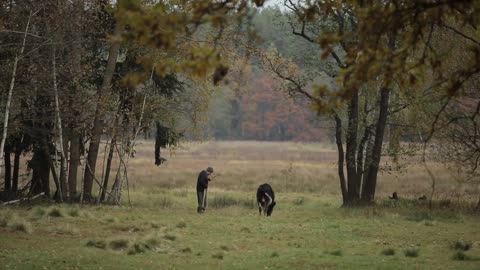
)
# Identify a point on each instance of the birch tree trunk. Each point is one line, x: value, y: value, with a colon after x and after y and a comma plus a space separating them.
x: 10, y: 91
x: 76, y: 64
x: 63, y: 170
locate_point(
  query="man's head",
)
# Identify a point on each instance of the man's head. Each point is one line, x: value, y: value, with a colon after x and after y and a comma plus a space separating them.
x: 209, y: 170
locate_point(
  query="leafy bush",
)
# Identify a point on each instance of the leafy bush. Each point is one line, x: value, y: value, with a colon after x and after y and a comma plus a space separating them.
x: 388, y: 252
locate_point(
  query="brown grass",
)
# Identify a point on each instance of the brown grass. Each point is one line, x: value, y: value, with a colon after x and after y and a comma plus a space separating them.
x: 287, y: 166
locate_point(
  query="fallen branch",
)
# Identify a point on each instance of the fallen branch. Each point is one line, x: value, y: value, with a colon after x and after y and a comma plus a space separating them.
x: 24, y: 199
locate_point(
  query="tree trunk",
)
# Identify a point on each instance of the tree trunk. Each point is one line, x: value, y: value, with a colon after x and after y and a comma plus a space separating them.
x: 368, y: 160
x: 73, y: 166
x: 76, y: 71
x: 63, y: 170
x: 8, y: 170
x: 98, y: 122
x: 371, y: 181
x: 361, y: 156
x: 10, y: 91
x: 41, y: 172
x: 108, y: 168
x: 58, y: 193
x: 16, y: 168
x: 353, y: 193
x: 341, y: 174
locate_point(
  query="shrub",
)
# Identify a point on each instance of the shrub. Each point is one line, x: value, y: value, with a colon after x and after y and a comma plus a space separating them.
x: 461, y: 256
x: 20, y: 226
x: 39, y: 211
x: 118, y: 244
x: 74, y: 212
x: 461, y: 245
x: 136, y: 248
x: 411, y: 252
x: 245, y: 230
x: 337, y: 252
x: 186, y: 250
x: 181, y: 225
x: 152, y: 242
x: 98, y: 244
x: 110, y: 219
x: 218, y: 256
x: 299, y: 201
x: 55, y: 212
x: 274, y: 254
x: 388, y: 252
x: 170, y: 237
x: 3, y: 222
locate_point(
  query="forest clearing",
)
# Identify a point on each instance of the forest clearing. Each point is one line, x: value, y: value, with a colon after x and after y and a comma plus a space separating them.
x: 239, y: 134
x: 307, y: 230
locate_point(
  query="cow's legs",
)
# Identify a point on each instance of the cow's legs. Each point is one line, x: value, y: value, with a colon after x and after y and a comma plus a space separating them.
x: 259, y: 209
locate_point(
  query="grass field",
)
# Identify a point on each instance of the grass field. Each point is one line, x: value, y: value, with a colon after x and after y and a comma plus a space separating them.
x: 308, y: 230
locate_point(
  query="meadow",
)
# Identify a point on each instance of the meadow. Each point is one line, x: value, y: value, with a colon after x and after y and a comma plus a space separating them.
x: 160, y: 229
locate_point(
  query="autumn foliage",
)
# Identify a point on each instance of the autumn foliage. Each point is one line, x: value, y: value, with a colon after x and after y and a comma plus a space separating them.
x: 267, y: 113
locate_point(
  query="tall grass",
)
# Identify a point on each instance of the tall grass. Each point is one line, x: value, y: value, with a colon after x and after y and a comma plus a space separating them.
x: 287, y: 166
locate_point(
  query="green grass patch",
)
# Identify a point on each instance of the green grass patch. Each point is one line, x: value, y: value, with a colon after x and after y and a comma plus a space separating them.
x: 164, y: 203
x: 222, y: 201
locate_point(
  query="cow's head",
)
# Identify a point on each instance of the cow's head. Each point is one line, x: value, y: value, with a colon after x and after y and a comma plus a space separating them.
x: 270, y: 208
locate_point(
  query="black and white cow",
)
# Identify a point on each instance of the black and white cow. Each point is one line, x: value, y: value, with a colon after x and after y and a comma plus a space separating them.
x: 265, y: 199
